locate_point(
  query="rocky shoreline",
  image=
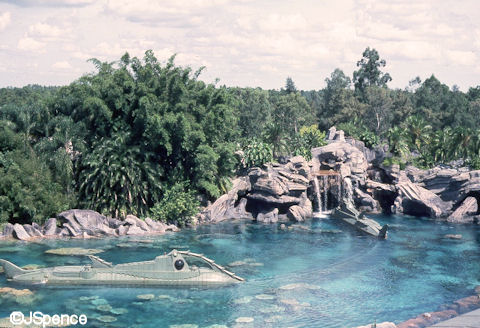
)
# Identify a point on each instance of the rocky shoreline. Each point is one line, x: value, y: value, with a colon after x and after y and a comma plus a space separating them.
x: 77, y: 223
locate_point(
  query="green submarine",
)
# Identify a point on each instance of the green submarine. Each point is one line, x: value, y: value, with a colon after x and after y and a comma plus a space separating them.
x: 177, y: 268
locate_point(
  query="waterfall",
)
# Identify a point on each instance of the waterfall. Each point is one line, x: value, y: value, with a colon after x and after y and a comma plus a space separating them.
x: 325, y: 192
x: 338, y: 181
x: 317, y: 194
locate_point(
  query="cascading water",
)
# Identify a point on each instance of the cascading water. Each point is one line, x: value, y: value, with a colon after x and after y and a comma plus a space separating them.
x: 326, y: 186
x: 318, y: 195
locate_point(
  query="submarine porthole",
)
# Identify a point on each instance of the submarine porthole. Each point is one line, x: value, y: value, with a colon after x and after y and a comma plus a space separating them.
x: 179, y: 264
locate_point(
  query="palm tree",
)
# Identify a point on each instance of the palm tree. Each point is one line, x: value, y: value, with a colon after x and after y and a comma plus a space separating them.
x: 397, y: 140
x: 419, y: 132
x: 117, y: 178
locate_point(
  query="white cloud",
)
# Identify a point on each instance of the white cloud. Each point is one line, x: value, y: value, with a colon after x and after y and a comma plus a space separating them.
x: 4, y: 20
x: 45, y: 30
x: 62, y: 65
x: 51, y: 3
x: 467, y: 58
x: 280, y: 23
x: 28, y: 44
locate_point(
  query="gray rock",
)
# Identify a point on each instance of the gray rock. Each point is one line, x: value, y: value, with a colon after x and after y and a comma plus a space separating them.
x: 32, y: 231
x: 135, y: 230
x: 71, y: 231
x: 341, y: 157
x: 20, y: 233
x: 296, y: 213
x: 132, y: 219
x: 8, y: 230
x: 269, y: 217
x: 465, y: 212
x: 223, y: 207
x: 155, y: 225
x: 331, y: 133
x: 122, y: 230
x: 50, y: 227
x: 415, y: 200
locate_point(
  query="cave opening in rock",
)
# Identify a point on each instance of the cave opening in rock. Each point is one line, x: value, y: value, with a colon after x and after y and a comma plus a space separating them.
x: 386, y: 200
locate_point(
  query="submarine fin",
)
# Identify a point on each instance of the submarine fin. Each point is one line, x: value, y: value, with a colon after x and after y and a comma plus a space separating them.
x: 11, y: 269
x: 99, y: 263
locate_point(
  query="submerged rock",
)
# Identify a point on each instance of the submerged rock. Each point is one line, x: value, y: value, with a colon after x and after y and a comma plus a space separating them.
x: 299, y: 286
x: 146, y: 297
x: 243, y: 300
x: 185, y: 325
x: 244, y: 320
x: 264, y: 297
x: 106, y: 318
x: 73, y: 251
x: 452, y: 236
x: 15, y: 292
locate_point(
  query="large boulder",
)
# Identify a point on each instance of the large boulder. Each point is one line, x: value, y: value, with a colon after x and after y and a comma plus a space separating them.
x: 269, y: 217
x: 225, y: 206
x: 465, y: 212
x: 8, y: 230
x: 32, y: 230
x: 415, y: 200
x: 341, y: 157
x: 20, y: 233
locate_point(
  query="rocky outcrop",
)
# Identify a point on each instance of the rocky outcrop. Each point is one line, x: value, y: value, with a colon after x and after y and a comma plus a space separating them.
x: 229, y: 205
x: 341, y: 157
x: 265, y: 194
x: 86, y: 224
x: 415, y: 200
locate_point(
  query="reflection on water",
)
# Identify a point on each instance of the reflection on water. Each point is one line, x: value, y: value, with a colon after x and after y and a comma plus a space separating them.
x: 311, y: 275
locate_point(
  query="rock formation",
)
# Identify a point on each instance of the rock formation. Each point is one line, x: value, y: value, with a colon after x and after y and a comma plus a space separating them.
x: 85, y: 224
x: 269, y: 194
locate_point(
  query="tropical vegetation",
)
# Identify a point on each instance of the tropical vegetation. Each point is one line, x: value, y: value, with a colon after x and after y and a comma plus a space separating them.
x: 142, y: 137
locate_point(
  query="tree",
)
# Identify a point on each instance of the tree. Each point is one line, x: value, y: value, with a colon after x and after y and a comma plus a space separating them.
x: 290, y: 86
x: 378, y: 114
x: 335, y: 98
x: 369, y: 73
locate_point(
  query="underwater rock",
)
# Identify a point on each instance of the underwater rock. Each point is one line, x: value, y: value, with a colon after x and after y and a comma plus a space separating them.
x: 274, y: 318
x: 1, y: 269
x: 118, y: 311
x: 146, y: 297
x: 217, y: 326
x: 243, y: 300
x: 299, y: 286
x: 106, y: 318
x: 73, y: 251
x: 264, y: 297
x: 272, y: 309
x: 185, y: 325
x: 244, y: 320
x: 451, y: 236
x: 104, y: 307
x: 99, y: 301
x: 15, y: 292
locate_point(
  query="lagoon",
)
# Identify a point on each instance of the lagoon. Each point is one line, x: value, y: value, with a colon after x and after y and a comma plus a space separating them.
x: 314, y: 274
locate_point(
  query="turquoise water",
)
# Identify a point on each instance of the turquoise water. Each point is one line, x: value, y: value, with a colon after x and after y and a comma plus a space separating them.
x: 311, y: 275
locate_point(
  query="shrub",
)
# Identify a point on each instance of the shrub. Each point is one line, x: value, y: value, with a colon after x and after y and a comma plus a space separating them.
x: 177, y: 205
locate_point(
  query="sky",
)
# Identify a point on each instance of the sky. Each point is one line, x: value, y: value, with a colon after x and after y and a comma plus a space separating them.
x: 255, y: 43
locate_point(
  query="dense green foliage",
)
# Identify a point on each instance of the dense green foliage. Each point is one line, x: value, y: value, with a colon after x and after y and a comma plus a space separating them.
x: 178, y: 205
x: 132, y: 136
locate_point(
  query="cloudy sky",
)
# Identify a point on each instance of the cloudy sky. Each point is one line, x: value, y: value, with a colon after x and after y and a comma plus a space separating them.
x: 243, y: 42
